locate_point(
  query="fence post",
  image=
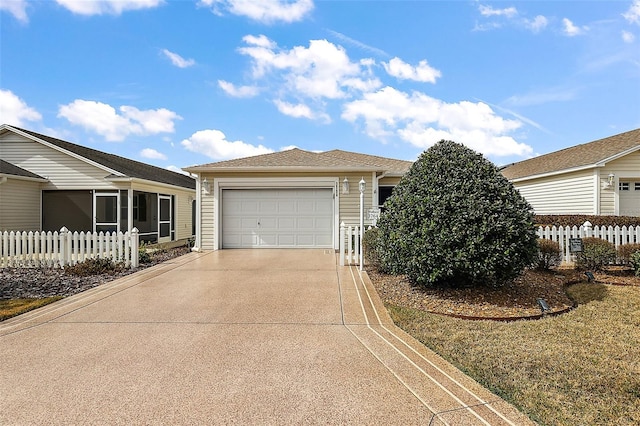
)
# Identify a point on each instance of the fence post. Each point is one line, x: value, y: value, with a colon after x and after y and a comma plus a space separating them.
x: 134, y: 247
x: 64, y: 247
x: 342, y: 243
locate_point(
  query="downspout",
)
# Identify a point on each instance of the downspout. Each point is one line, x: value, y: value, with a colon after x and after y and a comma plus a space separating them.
x: 198, y: 242
x: 3, y: 179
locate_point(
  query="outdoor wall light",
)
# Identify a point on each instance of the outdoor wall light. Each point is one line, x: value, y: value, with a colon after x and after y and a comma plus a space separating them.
x: 611, y: 178
x: 345, y: 186
x: 205, y: 184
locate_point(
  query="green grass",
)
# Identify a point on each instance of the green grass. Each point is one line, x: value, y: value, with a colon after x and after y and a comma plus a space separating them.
x: 11, y: 308
x: 580, y: 368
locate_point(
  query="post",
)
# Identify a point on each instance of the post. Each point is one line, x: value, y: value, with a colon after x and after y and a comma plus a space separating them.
x: 134, y: 247
x: 361, y: 236
x: 342, y: 243
x: 64, y: 255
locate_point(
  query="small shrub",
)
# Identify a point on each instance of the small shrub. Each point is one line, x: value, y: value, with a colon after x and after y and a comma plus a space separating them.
x: 549, y: 254
x: 370, y: 246
x: 625, y: 251
x: 595, y: 254
x: 143, y: 255
x: 94, y: 266
x: 634, y: 261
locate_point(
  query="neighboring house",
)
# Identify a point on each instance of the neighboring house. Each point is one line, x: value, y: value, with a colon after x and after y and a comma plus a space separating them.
x: 47, y: 183
x: 595, y: 178
x: 291, y: 198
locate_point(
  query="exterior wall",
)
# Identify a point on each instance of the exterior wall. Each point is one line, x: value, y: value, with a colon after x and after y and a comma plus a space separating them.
x: 571, y: 193
x: 626, y: 168
x: 19, y: 205
x: 62, y: 170
x: 349, y: 204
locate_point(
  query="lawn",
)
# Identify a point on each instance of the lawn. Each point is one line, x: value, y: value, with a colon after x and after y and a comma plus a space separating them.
x: 13, y: 307
x: 580, y: 368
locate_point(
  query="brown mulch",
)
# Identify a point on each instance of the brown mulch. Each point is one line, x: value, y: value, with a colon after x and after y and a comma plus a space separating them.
x: 517, y: 299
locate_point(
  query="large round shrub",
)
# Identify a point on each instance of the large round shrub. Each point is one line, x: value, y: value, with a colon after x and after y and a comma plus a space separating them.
x: 455, y: 220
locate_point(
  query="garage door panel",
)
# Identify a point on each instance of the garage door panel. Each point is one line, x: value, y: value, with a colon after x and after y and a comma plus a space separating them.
x: 277, y: 218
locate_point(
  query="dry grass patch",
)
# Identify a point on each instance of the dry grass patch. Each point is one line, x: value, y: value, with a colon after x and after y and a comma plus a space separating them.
x: 14, y: 307
x: 578, y: 368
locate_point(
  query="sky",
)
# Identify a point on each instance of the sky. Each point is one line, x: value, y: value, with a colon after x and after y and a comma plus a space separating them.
x: 180, y: 83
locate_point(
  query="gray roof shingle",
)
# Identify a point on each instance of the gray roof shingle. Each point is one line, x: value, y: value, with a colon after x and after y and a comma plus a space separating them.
x: 584, y: 155
x: 298, y: 159
x: 7, y: 168
x: 127, y: 167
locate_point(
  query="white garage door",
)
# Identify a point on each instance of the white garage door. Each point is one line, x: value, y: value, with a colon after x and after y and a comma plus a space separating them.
x: 284, y: 218
x: 629, y: 198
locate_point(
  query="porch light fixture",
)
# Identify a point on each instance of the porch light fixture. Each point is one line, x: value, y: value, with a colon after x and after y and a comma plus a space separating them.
x: 205, y: 184
x: 362, y: 185
x: 611, y: 178
x: 345, y: 186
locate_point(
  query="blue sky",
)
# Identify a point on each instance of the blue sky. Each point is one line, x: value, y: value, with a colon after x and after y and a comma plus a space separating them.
x: 177, y: 83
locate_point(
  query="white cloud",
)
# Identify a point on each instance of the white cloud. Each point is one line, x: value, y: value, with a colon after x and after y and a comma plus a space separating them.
x: 18, y: 8
x: 323, y: 70
x: 100, y: 7
x: 214, y: 144
x: 14, y: 111
x: 396, y: 67
x: 633, y: 14
x: 152, y: 154
x: 572, y: 30
x: 104, y: 120
x: 509, y: 12
x: 238, y: 91
x: 178, y: 60
x: 422, y: 121
x: 299, y: 111
x: 536, y: 24
x: 178, y: 170
x: 628, y: 37
x: 288, y: 147
x: 544, y: 96
x: 265, y: 11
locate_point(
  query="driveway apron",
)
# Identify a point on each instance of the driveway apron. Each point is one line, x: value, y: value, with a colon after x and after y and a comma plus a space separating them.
x: 231, y: 337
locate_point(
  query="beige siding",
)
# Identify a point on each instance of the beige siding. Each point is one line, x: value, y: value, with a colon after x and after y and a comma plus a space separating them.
x: 350, y: 203
x: 19, y: 205
x: 389, y: 181
x: 630, y: 162
x: 62, y: 170
x: 572, y: 193
x: 208, y: 219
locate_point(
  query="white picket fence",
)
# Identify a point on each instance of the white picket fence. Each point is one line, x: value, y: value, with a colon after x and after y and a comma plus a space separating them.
x: 349, y: 250
x: 59, y: 249
x: 615, y: 235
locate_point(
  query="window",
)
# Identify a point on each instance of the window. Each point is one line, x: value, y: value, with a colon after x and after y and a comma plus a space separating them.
x: 636, y: 186
x: 623, y: 186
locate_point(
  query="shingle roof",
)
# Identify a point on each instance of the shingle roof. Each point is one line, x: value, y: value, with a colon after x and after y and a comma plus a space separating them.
x: 584, y: 155
x: 127, y: 167
x: 298, y: 159
x: 7, y: 168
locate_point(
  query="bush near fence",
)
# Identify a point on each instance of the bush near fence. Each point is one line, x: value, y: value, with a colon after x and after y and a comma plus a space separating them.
x: 578, y: 220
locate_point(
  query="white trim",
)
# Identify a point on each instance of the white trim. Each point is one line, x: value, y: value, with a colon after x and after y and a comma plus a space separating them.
x: 596, y: 193
x: 220, y: 184
x: 198, y: 243
x: 131, y: 180
x: 17, y: 177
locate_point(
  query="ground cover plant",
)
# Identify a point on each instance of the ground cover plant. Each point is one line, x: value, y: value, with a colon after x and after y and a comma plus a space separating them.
x: 454, y: 220
x: 576, y: 368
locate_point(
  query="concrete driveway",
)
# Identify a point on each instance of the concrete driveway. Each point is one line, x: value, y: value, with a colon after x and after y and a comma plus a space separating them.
x: 233, y: 336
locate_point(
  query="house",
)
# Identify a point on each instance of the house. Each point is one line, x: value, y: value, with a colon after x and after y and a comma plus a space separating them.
x: 596, y: 178
x: 47, y: 183
x: 292, y: 198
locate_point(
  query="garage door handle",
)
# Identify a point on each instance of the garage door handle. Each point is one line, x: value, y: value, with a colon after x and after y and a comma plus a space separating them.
x: 258, y: 223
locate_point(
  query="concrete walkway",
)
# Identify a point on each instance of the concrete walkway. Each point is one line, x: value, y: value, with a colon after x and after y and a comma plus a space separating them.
x: 231, y: 337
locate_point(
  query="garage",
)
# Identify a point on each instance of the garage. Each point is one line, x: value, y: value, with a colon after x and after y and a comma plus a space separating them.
x: 629, y: 198
x: 277, y: 218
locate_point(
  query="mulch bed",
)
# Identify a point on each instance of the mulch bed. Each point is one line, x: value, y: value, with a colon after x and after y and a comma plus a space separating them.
x: 515, y: 300
x: 37, y: 283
